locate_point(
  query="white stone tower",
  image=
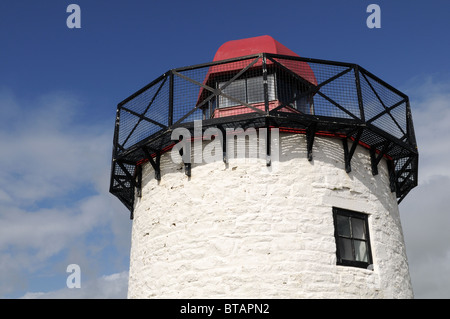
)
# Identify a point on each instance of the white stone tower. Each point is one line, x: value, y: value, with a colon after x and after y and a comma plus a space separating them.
x: 266, y: 175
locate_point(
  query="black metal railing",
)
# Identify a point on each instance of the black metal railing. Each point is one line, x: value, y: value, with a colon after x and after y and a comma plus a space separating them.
x: 262, y: 90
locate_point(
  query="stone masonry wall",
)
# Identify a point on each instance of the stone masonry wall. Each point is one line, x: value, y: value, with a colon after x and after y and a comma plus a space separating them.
x: 244, y: 230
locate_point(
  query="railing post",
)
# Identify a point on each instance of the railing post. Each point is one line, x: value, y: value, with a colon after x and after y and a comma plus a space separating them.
x: 115, y: 146
x: 409, y: 125
x: 358, y: 92
x: 265, y: 83
x: 116, y: 132
x: 268, y: 143
x: 171, y: 80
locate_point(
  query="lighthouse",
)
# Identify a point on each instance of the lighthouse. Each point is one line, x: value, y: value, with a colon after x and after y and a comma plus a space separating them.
x: 264, y: 174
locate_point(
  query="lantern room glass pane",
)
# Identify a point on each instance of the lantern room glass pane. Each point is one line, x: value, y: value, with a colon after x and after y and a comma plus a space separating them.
x: 304, y: 105
x: 255, y: 89
x: 236, y: 89
x: 271, y: 87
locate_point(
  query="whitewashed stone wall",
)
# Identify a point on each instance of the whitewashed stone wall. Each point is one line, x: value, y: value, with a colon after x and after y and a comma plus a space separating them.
x: 243, y: 230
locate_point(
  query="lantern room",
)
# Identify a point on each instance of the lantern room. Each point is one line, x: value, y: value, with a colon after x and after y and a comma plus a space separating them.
x: 288, y: 87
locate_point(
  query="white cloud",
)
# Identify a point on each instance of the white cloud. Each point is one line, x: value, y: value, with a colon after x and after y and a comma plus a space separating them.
x: 425, y: 213
x: 47, y: 231
x: 430, y: 102
x: 47, y: 151
x: 113, y: 286
x: 425, y: 221
x: 54, y: 173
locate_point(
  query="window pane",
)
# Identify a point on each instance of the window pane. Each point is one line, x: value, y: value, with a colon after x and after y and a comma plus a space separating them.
x: 343, y: 226
x: 206, y: 114
x: 271, y: 87
x: 255, y: 89
x: 361, y: 251
x: 303, y: 104
x: 358, y: 228
x: 235, y: 89
x: 285, y: 89
x: 212, y: 103
x: 345, y: 248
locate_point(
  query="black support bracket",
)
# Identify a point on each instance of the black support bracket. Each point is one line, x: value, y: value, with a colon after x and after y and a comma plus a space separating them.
x: 392, y: 177
x: 138, y: 176
x: 187, y: 166
x: 348, y: 153
x: 268, y: 144
x: 154, y: 162
x: 224, y: 144
x: 187, y: 169
x: 310, y: 134
x: 375, y: 159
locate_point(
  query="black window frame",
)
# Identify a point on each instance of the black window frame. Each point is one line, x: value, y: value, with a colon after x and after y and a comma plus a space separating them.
x: 282, y: 87
x: 272, y: 82
x: 352, y: 215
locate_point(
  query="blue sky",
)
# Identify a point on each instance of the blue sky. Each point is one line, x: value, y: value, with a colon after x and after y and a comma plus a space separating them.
x: 59, y: 88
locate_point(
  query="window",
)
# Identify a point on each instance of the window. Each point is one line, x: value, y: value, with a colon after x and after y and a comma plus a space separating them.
x: 208, y: 108
x: 249, y: 90
x: 294, y: 94
x: 351, y: 231
x: 236, y: 89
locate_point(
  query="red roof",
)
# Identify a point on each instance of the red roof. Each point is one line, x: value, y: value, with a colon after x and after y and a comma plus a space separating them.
x: 242, y: 47
x: 256, y: 45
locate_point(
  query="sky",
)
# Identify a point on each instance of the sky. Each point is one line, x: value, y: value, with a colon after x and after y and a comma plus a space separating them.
x: 59, y: 89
